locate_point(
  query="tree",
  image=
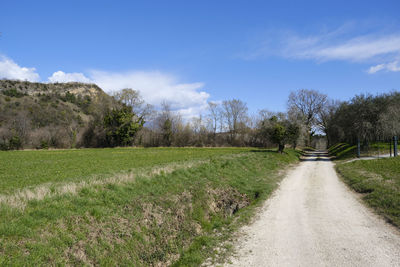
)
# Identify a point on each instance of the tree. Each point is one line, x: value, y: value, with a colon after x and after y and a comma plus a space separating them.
x: 165, y: 121
x: 390, y: 121
x: 307, y: 103
x: 214, y: 116
x: 133, y: 99
x: 121, y: 126
x: 183, y: 135
x: 325, y: 119
x: 292, y: 133
x: 167, y: 132
x: 235, y: 113
x: 365, y: 117
x: 21, y: 126
x: 278, y: 135
x: 280, y: 131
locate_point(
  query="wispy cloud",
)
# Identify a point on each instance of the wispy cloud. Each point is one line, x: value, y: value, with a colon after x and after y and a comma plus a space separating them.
x: 357, y: 49
x: 392, y: 66
x: 342, y: 44
x: 11, y: 70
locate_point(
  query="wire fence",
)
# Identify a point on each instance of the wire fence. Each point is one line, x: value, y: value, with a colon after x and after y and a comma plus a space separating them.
x: 379, y: 148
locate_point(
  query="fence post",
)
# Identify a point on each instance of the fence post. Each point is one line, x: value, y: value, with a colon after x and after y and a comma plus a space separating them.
x: 379, y: 151
x: 390, y: 147
x: 395, y: 146
x: 358, y: 147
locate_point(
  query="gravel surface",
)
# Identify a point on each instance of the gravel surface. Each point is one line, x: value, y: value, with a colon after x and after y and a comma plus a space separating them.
x: 313, y: 219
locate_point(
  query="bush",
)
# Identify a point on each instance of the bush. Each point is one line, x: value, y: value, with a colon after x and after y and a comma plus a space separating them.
x: 121, y: 126
x: 44, y: 144
x: 13, y: 93
x: 15, y: 143
x: 3, y: 146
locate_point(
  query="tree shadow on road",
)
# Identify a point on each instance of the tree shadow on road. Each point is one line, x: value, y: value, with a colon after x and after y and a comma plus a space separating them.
x: 315, y: 156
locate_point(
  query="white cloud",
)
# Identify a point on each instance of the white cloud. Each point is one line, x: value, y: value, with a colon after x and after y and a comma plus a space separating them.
x: 392, y: 66
x: 155, y: 87
x: 11, y: 70
x: 62, y: 77
x: 374, y: 69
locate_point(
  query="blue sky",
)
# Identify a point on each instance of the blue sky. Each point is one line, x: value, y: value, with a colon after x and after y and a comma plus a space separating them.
x: 191, y: 52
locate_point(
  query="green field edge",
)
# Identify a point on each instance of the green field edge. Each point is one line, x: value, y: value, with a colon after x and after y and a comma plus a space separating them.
x: 45, y: 231
x: 383, y: 200
x: 345, y: 151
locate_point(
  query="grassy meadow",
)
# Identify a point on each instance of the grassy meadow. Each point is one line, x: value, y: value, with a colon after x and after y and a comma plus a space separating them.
x: 378, y: 181
x: 21, y: 169
x: 130, y: 206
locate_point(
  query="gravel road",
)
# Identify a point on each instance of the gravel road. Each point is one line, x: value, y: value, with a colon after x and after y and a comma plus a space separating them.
x: 313, y: 219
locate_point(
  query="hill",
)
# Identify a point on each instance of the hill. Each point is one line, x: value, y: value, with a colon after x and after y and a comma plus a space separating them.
x: 41, y: 115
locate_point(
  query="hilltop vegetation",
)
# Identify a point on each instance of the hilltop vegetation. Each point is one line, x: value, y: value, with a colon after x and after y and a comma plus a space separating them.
x: 61, y: 115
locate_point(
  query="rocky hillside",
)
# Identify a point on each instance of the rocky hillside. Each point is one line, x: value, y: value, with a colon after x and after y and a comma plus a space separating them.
x: 39, y: 115
x: 33, y: 89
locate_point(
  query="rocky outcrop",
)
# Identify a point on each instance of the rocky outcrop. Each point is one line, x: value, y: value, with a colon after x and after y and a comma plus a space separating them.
x: 33, y: 89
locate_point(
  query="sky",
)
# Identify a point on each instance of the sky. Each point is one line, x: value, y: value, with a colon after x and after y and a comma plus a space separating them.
x: 190, y: 52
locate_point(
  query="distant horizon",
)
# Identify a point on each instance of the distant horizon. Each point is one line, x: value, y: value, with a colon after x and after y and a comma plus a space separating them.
x: 192, y: 53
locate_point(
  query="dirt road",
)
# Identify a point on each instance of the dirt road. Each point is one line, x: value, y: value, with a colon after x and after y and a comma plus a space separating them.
x: 314, y: 220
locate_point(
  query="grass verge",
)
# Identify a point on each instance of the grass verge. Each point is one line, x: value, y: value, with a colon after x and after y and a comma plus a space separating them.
x: 342, y: 151
x: 378, y: 181
x: 170, y: 218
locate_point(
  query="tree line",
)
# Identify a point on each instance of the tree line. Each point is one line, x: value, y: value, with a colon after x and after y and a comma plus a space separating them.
x: 124, y: 119
x: 365, y: 118
x: 225, y: 123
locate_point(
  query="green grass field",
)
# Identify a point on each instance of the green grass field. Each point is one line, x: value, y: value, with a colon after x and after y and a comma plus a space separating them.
x: 129, y: 207
x: 379, y: 181
x: 20, y: 169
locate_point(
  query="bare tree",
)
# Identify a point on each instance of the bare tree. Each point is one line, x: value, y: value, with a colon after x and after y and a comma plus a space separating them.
x: 165, y: 122
x: 265, y: 114
x: 307, y: 103
x: 214, y: 116
x: 22, y: 125
x: 133, y: 99
x: 325, y: 117
x: 235, y: 113
x: 199, y: 130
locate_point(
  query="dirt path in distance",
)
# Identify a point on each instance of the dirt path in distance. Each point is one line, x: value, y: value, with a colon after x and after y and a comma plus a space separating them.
x: 313, y: 219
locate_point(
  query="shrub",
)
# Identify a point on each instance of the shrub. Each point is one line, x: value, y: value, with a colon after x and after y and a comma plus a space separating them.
x: 121, y: 126
x: 44, y: 144
x: 15, y: 142
x: 13, y: 93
